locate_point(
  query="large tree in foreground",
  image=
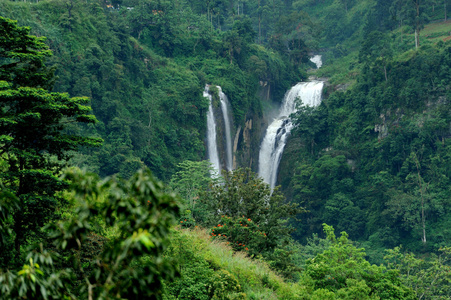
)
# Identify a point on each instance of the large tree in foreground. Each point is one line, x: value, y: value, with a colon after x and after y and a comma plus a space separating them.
x: 33, y: 140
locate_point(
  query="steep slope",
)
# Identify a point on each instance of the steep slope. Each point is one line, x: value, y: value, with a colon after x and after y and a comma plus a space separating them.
x: 145, y: 67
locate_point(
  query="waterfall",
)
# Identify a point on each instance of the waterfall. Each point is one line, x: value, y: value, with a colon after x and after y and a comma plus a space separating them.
x: 274, y: 142
x: 225, y: 112
x: 214, y: 154
x: 317, y: 61
x: 211, y: 136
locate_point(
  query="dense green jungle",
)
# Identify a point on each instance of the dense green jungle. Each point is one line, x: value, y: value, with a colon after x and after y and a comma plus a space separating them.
x: 106, y: 190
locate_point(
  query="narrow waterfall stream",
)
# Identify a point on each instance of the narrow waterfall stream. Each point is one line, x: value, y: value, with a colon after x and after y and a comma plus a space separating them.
x: 228, y: 135
x: 275, y: 139
x: 214, y: 153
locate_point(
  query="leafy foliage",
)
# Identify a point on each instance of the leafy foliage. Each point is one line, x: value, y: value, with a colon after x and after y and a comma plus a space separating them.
x: 32, y: 122
x: 244, y: 194
x: 22, y: 56
x: 242, y: 233
x: 342, y: 268
x: 369, y: 156
x: 199, y: 278
x: 190, y: 179
x: 429, y: 277
x: 132, y: 265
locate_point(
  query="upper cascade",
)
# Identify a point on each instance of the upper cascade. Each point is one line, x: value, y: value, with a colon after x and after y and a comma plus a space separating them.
x: 275, y: 139
x: 317, y: 61
x: 308, y: 92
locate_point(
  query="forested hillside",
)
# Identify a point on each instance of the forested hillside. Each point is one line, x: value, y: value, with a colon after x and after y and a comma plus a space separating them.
x: 373, y: 159
x: 121, y: 91
x: 144, y: 65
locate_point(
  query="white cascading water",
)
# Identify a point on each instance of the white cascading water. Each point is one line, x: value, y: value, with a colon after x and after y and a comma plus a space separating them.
x: 277, y: 133
x: 225, y: 112
x: 211, y: 136
x: 317, y: 61
x: 213, y: 153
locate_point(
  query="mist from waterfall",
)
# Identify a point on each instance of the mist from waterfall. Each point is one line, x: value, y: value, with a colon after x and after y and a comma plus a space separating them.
x: 275, y: 139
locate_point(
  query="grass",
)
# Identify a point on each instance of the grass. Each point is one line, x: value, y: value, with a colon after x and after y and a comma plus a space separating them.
x: 437, y: 31
x: 255, y: 277
x: 341, y: 70
x: 430, y: 34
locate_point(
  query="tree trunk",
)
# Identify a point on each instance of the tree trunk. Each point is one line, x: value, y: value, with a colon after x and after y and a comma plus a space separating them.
x: 445, y: 8
x: 259, y: 23
x: 211, y: 20
x: 422, y: 190
x: 18, y: 216
x: 70, y: 7
x: 385, y: 72
x: 417, y: 25
x: 18, y: 230
x: 417, y: 38
x: 401, y: 30
x: 219, y: 24
x: 313, y: 143
x: 423, y: 220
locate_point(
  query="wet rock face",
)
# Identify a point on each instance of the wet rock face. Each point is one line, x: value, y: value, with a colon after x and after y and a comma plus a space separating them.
x: 244, y: 145
x: 342, y: 87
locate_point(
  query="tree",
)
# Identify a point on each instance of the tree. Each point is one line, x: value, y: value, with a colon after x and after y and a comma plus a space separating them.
x: 445, y: 7
x: 346, y: 4
x: 191, y: 178
x: 22, y: 56
x: 429, y: 277
x: 414, y: 12
x: 289, y: 36
x: 32, y: 136
x: 311, y: 125
x: 131, y: 267
x: 233, y: 43
x: 399, y: 13
x: 342, y: 269
x: 156, y: 20
x: 376, y: 50
x: 189, y: 181
x: 418, y: 23
x: 244, y: 194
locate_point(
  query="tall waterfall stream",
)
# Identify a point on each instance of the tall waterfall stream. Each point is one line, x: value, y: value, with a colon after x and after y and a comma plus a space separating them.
x: 228, y: 135
x: 275, y: 139
x: 212, y: 142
